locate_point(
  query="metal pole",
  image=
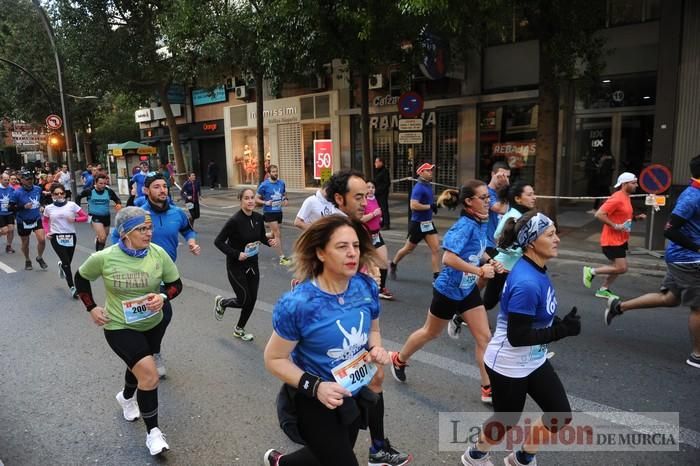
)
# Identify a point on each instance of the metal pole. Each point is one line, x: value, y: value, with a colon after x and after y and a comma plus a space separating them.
x: 77, y: 145
x: 59, y: 70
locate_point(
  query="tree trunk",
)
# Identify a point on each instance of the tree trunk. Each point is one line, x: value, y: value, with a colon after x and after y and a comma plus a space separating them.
x: 174, y: 134
x: 547, y: 122
x: 259, y: 123
x: 364, y: 98
x: 87, y: 148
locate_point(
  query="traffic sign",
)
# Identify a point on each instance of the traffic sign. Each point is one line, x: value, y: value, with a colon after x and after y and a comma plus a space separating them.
x: 411, y: 137
x: 410, y: 124
x: 410, y: 104
x: 54, y: 121
x: 655, y: 179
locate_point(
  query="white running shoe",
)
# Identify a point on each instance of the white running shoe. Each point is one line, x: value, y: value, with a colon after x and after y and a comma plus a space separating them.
x: 160, y: 365
x: 61, y: 273
x: 155, y: 441
x: 454, y: 326
x: 130, y: 408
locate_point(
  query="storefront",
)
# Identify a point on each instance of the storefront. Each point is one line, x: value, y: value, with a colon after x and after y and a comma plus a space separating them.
x: 290, y: 127
x: 208, y: 144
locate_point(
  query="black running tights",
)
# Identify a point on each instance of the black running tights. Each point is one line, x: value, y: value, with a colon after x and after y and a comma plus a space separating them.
x: 328, y: 441
x: 509, y: 394
x: 245, y: 280
x: 65, y: 255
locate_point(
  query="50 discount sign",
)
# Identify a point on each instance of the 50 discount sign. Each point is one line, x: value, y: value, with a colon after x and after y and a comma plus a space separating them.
x: 323, y: 157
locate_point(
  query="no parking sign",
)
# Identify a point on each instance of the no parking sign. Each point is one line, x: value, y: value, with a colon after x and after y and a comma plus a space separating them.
x: 655, y: 179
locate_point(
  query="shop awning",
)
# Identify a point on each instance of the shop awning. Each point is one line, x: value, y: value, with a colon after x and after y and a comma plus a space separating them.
x: 132, y: 147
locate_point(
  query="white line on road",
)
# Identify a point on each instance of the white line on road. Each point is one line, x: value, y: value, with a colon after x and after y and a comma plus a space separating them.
x: 6, y: 268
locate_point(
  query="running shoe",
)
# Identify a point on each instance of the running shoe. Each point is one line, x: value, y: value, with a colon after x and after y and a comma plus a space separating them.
x: 272, y: 457
x: 605, y: 293
x: 242, y: 334
x: 9, y: 249
x: 388, y: 456
x: 398, y: 368
x: 384, y: 293
x: 467, y: 459
x: 160, y: 365
x: 587, y: 276
x: 42, y: 263
x: 392, y: 271
x: 218, y: 308
x: 74, y: 292
x: 612, y: 310
x: 486, y: 394
x: 28, y: 265
x: 130, y: 408
x: 155, y: 441
x: 454, y: 326
x: 512, y: 460
x: 693, y: 360
x: 286, y: 261
x: 61, y: 273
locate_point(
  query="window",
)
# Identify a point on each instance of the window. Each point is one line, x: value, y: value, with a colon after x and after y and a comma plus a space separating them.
x: 632, y: 11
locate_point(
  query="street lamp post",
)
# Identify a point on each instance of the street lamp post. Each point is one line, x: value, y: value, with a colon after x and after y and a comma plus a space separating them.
x: 59, y: 70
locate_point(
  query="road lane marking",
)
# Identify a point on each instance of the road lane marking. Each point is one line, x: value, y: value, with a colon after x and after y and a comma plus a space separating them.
x: 6, y: 268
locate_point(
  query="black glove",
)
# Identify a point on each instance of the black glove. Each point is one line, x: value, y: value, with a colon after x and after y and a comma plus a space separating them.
x: 434, y: 207
x: 572, y: 322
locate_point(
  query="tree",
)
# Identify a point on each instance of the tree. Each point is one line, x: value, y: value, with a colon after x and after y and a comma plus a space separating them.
x: 568, y: 49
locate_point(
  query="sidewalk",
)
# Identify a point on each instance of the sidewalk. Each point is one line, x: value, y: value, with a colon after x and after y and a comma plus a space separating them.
x: 579, y: 230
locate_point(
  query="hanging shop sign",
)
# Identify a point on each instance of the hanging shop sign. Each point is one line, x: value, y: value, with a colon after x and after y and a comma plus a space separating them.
x: 323, y: 157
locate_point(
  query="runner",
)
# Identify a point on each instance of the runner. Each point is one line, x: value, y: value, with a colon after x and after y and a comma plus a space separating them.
x: 137, y: 181
x: 98, y: 198
x: 326, y: 341
x: 272, y: 195
x: 134, y: 271
x: 60, y: 217
x: 521, y: 198
x: 191, y: 193
x: 500, y: 178
x: 347, y: 190
x: 372, y: 220
x: 682, y: 282
x: 456, y: 289
x: 7, y: 217
x: 26, y: 203
x: 313, y: 208
x: 64, y: 177
x: 617, y: 215
x: 240, y: 240
x: 88, y: 178
x: 516, y: 355
x: 421, y: 226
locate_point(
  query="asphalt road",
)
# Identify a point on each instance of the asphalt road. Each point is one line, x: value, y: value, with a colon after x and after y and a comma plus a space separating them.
x: 59, y: 378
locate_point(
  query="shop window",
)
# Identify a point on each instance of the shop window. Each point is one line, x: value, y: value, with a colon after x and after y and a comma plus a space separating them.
x: 632, y: 11
x: 512, y: 25
x: 245, y: 155
x: 315, y: 107
x: 307, y: 108
x: 310, y: 132
x: 507, y: 134
x: 447, y: 149
x: 322, y: 106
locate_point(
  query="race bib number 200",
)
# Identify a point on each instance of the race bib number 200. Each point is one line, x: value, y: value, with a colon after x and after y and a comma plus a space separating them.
x: 135, y: 310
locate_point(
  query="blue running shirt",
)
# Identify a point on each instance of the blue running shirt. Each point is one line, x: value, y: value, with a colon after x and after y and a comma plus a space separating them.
x: 467, y: 239
x: 423, y: 193
x: 494, y: 217
x: 687, y: 207
x: 5, y: 196
x: 21, y: 197
x: 527, y: 291
x: 275, y: 192
x: 328, y: 333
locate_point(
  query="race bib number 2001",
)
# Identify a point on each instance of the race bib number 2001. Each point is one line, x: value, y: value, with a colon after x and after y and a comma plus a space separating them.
x: 354, y: 373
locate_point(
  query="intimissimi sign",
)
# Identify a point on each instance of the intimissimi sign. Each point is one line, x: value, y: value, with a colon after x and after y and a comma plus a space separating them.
x: 392, y: 121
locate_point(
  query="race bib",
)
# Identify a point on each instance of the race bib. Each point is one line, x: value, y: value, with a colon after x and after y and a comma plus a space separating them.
x: 375, y: 239
x: 29, y: 226
x: 65, y: 240
x: 426, y: 227
x: 4, y: 205
x: 251, y: 249
x: 135, y: 310
x: 354, y: 373
x: 468, y: 280
x: 189, y: 205
x: 538, y: 352
x: 276, y: 203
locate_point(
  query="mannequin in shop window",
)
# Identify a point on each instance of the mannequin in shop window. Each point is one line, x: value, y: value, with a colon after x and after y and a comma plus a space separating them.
x: 250, y: 165
x: 268, y: 158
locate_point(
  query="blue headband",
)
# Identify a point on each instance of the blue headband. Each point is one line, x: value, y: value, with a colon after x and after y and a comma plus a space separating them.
x: 533, y: 229
x: 131, y: 224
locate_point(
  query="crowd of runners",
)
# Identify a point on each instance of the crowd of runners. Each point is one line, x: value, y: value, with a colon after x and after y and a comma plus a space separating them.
x: 326, y: 347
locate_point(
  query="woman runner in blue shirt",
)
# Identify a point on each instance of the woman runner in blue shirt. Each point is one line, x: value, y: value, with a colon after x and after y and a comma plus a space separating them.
x: 329, y: 325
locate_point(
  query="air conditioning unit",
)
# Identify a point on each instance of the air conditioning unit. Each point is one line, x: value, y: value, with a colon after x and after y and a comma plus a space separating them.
x: 376, y: 81
x: 241, y: 92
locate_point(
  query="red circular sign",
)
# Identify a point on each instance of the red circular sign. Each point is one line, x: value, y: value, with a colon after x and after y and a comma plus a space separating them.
x: 410, y: 104
x: 54, y: 121
x: 655, y: 179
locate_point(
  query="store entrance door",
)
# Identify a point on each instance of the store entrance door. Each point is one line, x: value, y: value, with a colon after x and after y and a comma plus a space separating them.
x: 605, y: 145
